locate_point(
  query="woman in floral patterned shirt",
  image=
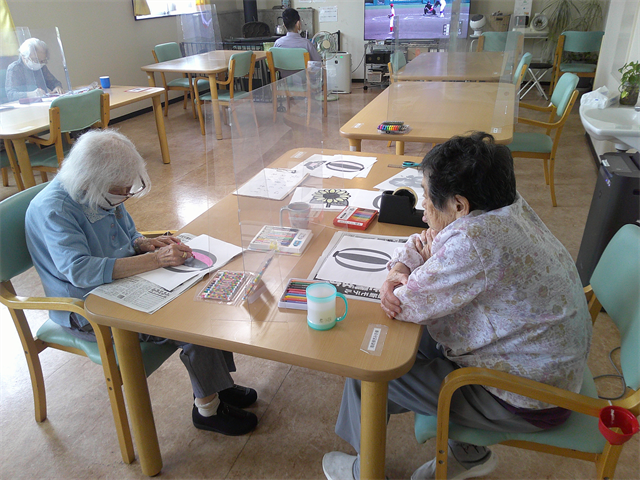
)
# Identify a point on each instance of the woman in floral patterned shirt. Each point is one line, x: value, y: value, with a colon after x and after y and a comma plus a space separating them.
x: 495, y: 289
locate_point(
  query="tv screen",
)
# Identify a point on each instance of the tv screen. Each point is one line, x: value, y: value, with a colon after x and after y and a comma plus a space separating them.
x: 417, y: 19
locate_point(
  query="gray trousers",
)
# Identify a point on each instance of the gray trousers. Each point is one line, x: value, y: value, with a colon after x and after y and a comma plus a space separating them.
x: 418, y: 390
x: 208, y: 367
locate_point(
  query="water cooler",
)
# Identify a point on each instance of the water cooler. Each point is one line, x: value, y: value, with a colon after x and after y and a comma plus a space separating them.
x: 616, y: 202
x: 339, y: 73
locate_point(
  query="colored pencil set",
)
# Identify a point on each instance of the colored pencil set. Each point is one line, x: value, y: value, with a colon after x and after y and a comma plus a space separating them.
x: 295, y: 295
x: 225, y: 286
x: 355, y: 217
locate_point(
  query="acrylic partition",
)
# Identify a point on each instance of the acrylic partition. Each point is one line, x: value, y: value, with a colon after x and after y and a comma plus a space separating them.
x: 442, y: 89
x: 33, y: 68
x: 200, y: 32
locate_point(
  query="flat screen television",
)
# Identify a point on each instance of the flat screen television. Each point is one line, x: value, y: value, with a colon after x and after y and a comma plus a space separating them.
x: 417, y: 19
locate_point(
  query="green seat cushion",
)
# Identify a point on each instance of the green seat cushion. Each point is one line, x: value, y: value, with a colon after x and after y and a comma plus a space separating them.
x: 580, y: 432
x: 223, y: 95
x: 531, y: 142
x: 179, y: 82
x: 46, y: 157
x: 153, y: 355
x: 578, y: 67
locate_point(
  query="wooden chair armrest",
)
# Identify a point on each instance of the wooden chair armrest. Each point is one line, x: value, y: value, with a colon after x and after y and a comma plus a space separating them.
x: 538, y: 123
x: 535, y: 107
x: 43, y: 142
x: 17, y: 302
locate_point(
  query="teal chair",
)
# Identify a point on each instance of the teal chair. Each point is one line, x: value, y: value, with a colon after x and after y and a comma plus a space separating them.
x: 68, y: 114
x: 543, y: 145
x: 14, y: 260
x: 171, y: 51
x: 500, y: 41
x: 397, y: 60
x: 521, y: 69
x: 579, y: 43
x: 241, y: 65
x: 614, y: 286
x: 289, y: 59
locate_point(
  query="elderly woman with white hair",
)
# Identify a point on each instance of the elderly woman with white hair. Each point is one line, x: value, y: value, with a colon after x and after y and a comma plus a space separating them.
x: 81, y: 236
x: 29, y: 76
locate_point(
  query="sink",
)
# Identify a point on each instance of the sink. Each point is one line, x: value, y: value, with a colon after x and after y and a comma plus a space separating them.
x: 620, y: 125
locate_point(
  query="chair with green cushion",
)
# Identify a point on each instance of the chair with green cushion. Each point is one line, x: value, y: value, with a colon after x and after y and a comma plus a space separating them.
x: 521, y: 69
x: 576, y: 43
x: 500, y: 42
x: 289, y: 59
x: 68, y: 114
x: 241, y: 65
x: 171, y: 51
x: 543, y: 145
x: 14, y: 260
x: 397, y: 60
x: 614, y: 286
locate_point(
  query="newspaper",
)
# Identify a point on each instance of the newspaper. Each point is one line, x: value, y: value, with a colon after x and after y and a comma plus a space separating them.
x: 142, y: 295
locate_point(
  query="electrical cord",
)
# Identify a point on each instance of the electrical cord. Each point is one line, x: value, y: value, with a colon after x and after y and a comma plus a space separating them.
x: 611, y: 375
x: 358, y: 66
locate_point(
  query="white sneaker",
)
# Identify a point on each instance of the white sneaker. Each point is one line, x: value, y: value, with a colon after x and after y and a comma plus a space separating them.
x: 338, y: 466
x: 455, y: 471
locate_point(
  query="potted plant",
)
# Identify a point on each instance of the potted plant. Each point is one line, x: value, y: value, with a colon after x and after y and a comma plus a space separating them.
x: 629, y: 83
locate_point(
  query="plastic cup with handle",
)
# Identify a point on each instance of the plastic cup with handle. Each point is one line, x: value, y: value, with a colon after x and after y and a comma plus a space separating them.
x: 105, y: 82
x: 321, y: 306
x: 299, y: 213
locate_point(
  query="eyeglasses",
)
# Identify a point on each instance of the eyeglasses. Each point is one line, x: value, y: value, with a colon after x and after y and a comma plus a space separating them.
x: 114, y: 199
x: 40, y: 61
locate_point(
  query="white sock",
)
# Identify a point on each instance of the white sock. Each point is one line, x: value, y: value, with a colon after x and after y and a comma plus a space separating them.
x: 208, y: 409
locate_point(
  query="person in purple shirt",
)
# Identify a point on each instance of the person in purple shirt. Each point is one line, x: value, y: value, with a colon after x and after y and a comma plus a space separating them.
x: 292, y: 39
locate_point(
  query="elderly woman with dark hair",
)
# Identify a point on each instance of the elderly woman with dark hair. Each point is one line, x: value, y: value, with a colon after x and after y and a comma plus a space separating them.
x: 80, y: 236
x: 495, y: 289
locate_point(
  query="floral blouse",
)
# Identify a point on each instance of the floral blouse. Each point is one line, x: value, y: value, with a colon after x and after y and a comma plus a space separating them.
x: 501, y: 292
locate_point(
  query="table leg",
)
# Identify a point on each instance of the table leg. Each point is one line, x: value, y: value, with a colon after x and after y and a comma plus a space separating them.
x: 162, y: 133
x: 14, y: 164
x: 22, y: 156
x: 215, y: 106
x: 151, y: 78
x: 373, y: 434
x: 355, y: 144
x: 399, y: 148
x: 136, y: 391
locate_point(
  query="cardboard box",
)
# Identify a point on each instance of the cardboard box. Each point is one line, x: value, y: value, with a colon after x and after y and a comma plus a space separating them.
x: 499, y: 23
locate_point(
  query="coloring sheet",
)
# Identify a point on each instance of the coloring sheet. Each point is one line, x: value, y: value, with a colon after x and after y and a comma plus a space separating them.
x: 337, y: 198
x: 360, y: 258
x: 341, y: 166
x: 409, y: 177
x: 272, y: 183
x: 208, y: 254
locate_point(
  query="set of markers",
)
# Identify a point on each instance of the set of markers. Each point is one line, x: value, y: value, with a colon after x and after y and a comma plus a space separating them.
x: 393, y: 127
x: 295, y: 295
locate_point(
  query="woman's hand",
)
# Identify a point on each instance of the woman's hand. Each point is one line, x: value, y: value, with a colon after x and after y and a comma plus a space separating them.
x: 144, y: 244
x: 58, y: 90
x: 423, y: 243
x: 171, y: 255
x: 398, y: 275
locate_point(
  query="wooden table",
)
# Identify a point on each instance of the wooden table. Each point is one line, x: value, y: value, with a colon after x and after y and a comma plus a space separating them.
x: 435, y: 111
x: 18, y: 124
x: 275, y: 334
x: 209, y: 64
x: 455, y: 66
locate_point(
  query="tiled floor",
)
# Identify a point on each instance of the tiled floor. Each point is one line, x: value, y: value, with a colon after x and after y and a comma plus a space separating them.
x: 297, y: 407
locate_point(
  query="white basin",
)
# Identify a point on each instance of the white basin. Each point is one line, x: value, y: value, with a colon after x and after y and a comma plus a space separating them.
x: 620, y: 125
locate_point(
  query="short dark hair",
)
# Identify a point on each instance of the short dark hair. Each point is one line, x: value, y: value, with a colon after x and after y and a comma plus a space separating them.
x: 472, y: 166
x: 290, y: 17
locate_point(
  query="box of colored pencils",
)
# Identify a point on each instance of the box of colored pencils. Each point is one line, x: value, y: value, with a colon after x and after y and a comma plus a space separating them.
x: 355, y: 217
x: 295, y: 295
x: 226, y: 287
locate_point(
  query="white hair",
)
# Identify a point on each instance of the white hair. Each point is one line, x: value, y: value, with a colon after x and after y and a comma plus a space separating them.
x: 99, y: 160
x: 31, y: 45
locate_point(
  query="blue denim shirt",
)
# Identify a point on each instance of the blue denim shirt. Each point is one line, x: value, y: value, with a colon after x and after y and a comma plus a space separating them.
x: 74, y: 248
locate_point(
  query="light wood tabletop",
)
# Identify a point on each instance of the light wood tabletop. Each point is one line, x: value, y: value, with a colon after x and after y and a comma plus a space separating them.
x: 209, y: 64
x: 22, y: 121
x: 435, y: 111
x: 455, y: 66
x: 266, y: 331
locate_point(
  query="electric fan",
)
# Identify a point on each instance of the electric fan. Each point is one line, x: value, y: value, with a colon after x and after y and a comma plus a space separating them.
x: 326, y: 45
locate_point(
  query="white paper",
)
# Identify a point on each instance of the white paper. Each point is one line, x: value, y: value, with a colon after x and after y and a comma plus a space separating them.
x: 337, y: 198
x: 342, y: 166
x: 409, y: 177
x: 208, y: 254
x: 328, y: 14
x: 272, y: 183
x: 360, y: 258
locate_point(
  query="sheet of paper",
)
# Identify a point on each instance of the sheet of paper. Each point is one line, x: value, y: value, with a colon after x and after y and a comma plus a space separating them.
x: 341, y: 166
x: 208, y: 254
x: 409, y: 177
x: 328, y: 14
x: 361, y: 259
x: 272, y: 183
x: 337, y: 198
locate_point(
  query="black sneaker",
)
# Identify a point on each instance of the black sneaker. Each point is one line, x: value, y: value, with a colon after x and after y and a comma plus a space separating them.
x: 238, y: 396
x: 229, y: 420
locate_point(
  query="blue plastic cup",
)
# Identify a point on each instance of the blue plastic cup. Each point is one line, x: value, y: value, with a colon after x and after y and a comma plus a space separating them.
x: 321, y: 306
x: 105, y: 82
